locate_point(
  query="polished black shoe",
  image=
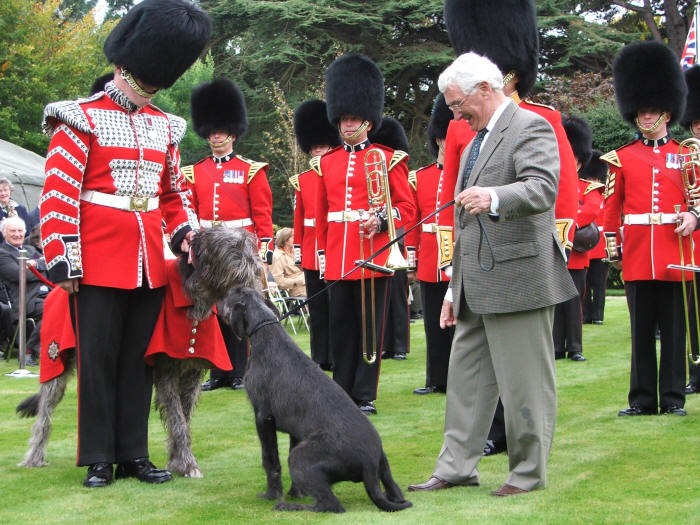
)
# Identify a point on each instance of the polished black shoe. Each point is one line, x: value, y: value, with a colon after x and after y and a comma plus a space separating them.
x: 492, y: 448
x: 213, y: 384
x: 596, y: 321
x: 690, y: 388
x: 429, y: 390
x: 636, y: 411
x: 387, y: 355
x: 367, y: 407
x: 237, y: 383
x: 98, y: 475
x: 674, y: 410
x: 577, y: 357
x: 143, y: 470
x: 399, y: 357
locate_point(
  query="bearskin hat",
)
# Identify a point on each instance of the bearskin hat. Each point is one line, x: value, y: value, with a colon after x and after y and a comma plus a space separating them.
x: 158, y: 40
x: 218, y: 105
x: 312, y: 128
x: 390, y: 133
x: 100, y: 82
x: 648, y: 75
x: 692, y: 106
x: 504, y: 31
x: 595, y: 169
x: 354, y: 86
x: 580, y: 137
x: 439, y: 121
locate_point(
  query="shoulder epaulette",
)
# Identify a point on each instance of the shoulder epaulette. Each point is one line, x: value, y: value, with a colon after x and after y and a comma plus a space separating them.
x: 294, y: 181
x: 412, y: 179
x: 593, y: 185
x: 611, y: 158
x: 255, y: 167
x: 397, y: 157
x: 188, y: 172
x: 68, y: 111
x: 538, y: 104
x: 315, y: 164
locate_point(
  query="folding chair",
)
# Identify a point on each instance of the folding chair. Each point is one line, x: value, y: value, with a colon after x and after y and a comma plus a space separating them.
x: 279, y: 299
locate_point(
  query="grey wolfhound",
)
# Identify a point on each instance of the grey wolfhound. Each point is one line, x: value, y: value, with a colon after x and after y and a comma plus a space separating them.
x: 331, y: 440
x: 221, y: 258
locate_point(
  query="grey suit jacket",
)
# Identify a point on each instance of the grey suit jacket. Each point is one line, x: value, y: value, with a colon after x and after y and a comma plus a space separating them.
x: 520, y: 161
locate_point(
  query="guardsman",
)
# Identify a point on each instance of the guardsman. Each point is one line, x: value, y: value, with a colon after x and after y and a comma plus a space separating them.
x: 431, y: 246
x: 228, y: 190
x: 112, y: 178
x: 349, y: 229
x: 644, y: 185
x: 315, y: 137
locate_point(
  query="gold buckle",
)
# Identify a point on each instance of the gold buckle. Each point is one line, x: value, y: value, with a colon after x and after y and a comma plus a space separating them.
x: 216, y: 223
x: 655, y: 218
x: 138, y: 204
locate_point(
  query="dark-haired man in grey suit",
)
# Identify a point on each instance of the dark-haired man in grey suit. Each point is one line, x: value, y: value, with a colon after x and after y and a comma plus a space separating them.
x: 509, y: 271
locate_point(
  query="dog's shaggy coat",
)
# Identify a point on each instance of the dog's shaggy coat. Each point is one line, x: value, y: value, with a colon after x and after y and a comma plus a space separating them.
x: 331, y: 440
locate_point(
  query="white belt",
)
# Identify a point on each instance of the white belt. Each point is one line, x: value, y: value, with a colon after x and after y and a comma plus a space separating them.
x: 235, y: 223
x: 650, y: 218
x: 429, y: 228
x: 120, y: 202
x: 344, y: 216
x: 311, y: 223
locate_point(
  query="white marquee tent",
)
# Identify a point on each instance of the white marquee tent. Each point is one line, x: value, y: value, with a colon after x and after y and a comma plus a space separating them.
x: 25, y: 170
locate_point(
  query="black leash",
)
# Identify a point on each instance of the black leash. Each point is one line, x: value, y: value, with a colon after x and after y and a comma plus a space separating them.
x: 262, y: 324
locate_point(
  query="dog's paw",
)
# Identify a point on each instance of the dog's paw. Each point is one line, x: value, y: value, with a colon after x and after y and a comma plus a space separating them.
x: 285, y: 505
x: 193, y: 472
x: 32, y: 463
x: 271, y: 495
x: 295, y: 492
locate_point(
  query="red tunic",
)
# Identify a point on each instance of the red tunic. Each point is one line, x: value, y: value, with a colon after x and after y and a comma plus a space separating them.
x: 459, y: 135
x: 305, y: 219
x: 428, y: 184
x: 124, y: 154
x: 643, y: 180
x: 590, y: 203
x: 234, y: 190
x: 343, y: 188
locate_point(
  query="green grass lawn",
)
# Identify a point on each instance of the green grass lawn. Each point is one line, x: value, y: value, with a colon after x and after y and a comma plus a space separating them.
x: 603, y: 469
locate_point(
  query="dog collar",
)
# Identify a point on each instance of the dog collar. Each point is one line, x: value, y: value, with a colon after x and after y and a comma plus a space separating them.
x: 260, y: 325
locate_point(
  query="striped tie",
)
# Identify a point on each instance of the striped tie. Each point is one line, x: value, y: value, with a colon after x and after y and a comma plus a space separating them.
x: 473, y: 155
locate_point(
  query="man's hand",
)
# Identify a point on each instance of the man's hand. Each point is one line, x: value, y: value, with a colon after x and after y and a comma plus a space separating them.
x: 69, y: 285
x: 687, y: 222
x: 447, y: 316
x: 186, y: 244
x: 475, y: 199
x: 371, y: 226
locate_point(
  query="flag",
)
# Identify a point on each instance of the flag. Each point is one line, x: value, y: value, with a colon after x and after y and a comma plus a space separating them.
x: 690, y: 50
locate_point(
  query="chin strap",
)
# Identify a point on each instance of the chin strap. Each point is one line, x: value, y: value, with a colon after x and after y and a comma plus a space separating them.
x: 357, y: 133
x: 654, y: 126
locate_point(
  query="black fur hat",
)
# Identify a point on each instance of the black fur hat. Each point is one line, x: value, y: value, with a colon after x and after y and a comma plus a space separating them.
x: 505, y: 31
x: 391, y: 134
x: 580, y: 136
x: 100, y: 82
x: 595, y: 169
x: 312, y: 128
x: 692, y: 107
x: 158, y: 40
x: 439, y: 121
x: 218, y: 105
x: 648, y: 75
x: 354, y: 86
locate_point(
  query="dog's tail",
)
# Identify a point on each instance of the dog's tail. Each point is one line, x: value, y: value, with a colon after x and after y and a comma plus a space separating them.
x: 29, y: 407
x: 393, y: 499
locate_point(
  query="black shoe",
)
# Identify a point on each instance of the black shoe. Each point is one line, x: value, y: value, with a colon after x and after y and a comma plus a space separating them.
x: 399, y: 357
x: 416, y: 315
x: 690, y: 388
x: 328, y: 367
x: 559, y: 355
x: 430, y: 390
x: 30, y: 361
x: 577, y: 357
x: 367, y: 407
x: 596, y: 321
x: 636, y: 411
x: 143, y: 470
x: 387, y: 355
x: 213, y: 384
x: 237, y: 383
x: 674, y: 410
x: 494, y: 447
x: 98, y: 475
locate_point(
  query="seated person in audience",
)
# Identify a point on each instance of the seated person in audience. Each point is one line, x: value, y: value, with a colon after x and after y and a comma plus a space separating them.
x: 13, y: 231
x: 8, y: 206
x: 287, y: 275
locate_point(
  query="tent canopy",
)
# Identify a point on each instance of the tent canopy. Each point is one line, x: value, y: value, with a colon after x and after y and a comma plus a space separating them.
x: 25, y: 170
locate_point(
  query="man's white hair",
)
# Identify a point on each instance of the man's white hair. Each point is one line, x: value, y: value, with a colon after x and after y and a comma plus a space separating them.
x: 468, y: 71
x: 15, y: 220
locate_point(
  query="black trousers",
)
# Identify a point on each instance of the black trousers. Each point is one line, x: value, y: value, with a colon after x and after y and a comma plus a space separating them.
x: 237, y: 353
x: 693, y: 370
x: 396, y: 335
x: 438, y: 342
x: 594, y: 296
x: 567, y: 330
x: 652, y: 304
x: 114, y: 327
x: 319, y: 319
x: 350, y: 371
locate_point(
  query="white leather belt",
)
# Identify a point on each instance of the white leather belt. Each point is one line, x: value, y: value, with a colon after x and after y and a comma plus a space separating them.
x: 344, y: 216
x: 311, y: 223
x: 120, y: 202
x: 235, y: 223
x: 650, y: 218
x: 429, y: 228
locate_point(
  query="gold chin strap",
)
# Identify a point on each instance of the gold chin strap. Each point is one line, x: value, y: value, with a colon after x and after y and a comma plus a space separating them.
x: 357, y: 133
x: 654, y: 126
x: 509, y: 77
x: 129, y: 78
x: 228, y: 139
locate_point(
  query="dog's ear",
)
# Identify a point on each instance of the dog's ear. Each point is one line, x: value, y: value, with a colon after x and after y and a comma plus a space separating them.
x: 238, y: 320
